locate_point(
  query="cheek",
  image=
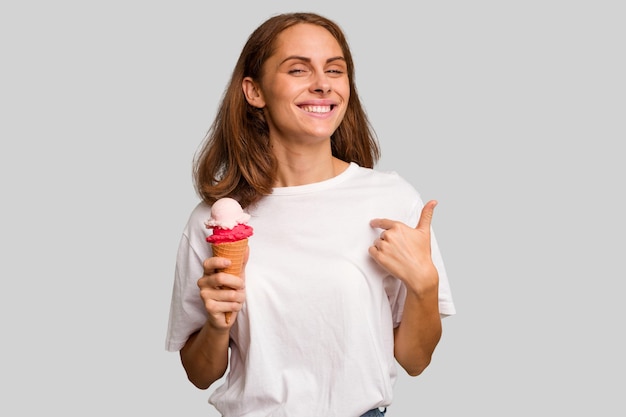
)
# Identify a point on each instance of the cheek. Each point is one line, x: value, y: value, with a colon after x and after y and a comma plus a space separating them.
x: 342, y: 89
x: 277, y: 95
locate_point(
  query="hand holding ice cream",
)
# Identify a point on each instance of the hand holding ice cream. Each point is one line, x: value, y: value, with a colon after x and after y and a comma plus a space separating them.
x: 230, y: 234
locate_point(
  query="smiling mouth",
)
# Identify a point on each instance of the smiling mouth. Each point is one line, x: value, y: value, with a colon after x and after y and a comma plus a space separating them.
x: 317, y: 109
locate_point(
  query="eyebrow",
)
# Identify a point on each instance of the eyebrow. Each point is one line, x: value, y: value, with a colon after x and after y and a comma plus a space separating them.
x: 305, y: 59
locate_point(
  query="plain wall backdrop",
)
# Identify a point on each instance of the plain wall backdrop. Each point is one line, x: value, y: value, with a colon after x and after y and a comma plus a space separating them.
x: 511, y: 114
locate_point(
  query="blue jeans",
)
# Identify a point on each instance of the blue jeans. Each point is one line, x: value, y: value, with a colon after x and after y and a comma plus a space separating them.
x: 375, y: 413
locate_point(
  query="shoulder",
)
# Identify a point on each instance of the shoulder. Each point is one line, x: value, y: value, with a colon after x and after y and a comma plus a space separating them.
x: 195, y: 229
x: 388, y: 182
x: 200, y: 213
x: 386, y: 193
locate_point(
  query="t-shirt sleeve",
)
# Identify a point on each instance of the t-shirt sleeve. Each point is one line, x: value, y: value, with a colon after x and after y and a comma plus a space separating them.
x: 187, y: 312
x: 446, y: 303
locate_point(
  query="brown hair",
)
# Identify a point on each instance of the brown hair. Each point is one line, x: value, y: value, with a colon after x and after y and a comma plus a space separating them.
x: 235, y: 159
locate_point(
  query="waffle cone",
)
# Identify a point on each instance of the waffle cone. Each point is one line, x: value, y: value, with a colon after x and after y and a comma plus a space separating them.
x: 235, y: 251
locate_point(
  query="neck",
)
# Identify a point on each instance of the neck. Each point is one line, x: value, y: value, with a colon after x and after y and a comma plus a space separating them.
x: 302, y: 171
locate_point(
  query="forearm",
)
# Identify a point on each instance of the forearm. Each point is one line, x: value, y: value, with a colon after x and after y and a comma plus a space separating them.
x: 419, y: 331
x: 205, y: 356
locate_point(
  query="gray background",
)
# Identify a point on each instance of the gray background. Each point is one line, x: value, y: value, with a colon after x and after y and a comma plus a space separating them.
x: 511, y: 114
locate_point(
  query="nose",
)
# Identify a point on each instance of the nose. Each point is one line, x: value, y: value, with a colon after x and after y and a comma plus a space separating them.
x: 321, y: 84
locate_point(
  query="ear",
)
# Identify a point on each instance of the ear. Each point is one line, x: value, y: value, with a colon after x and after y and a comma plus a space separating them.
x: 253, y: 93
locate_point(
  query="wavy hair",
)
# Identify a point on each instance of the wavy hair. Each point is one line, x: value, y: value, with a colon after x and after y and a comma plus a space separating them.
x: 235, y: 158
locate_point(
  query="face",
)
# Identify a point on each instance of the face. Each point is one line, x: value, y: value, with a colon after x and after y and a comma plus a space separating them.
x: 304, y: 89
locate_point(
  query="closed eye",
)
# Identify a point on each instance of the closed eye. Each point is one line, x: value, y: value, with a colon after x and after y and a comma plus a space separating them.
x: 297, y: 71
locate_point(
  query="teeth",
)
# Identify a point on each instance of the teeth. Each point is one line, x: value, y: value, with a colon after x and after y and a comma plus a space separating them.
x: 316, y: 109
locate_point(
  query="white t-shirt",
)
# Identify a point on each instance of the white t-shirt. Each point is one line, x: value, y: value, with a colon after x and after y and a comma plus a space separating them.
x: 315, y: 335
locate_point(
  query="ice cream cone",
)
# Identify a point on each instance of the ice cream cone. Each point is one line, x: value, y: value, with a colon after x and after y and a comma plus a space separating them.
x: 235, y: 251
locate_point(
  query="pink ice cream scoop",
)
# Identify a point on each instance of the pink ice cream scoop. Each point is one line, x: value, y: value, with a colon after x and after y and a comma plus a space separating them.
x: 220, y: 235
x: 228, y: 221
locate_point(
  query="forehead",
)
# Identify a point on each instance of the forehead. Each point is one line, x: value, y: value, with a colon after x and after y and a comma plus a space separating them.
x: 307, y: 40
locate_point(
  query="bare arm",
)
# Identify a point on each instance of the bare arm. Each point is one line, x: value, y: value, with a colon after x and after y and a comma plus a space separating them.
x: 205, y: 354
x: 419, y: 331
x: 405, y: 253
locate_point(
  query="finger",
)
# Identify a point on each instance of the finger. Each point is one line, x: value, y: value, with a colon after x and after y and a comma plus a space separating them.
x: 214, y: 263
x: 233, y: 282
x: 378, y: 243
x: 230, y: 295
x: 426, y: 217
x: 381, y: 223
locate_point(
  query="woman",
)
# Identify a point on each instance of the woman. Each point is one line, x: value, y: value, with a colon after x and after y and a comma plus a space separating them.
x: 343, y: 275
